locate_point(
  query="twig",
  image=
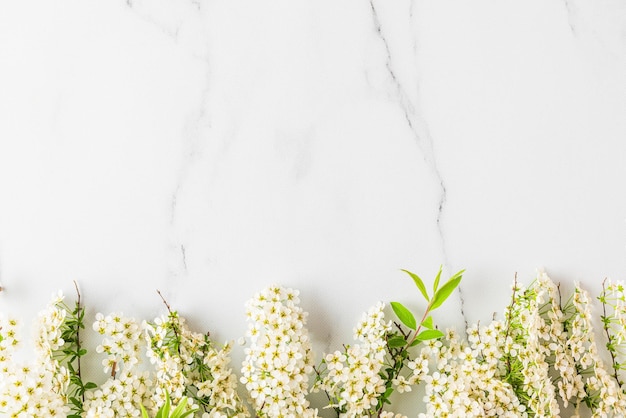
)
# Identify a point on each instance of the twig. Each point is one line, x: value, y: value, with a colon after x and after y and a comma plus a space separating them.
x: 319, y: 376
x: 509, y: 318
x: 405, y: 335
x: 167, y: 305
x: 78, y: 348
x: 480, y: 341
x: 605, y: 325
x: 174, y: 325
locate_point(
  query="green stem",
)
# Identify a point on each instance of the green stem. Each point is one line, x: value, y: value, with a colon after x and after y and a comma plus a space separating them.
x: 402, y: 355
x: 608, y: 335
x: 174, y: 324
x: 508, y: 325
x: 79, y: 321
x: 419, y: 328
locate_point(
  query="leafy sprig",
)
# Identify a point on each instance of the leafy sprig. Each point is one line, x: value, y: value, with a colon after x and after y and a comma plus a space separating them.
x: 416, y: 335
x: 71, y: 352
x: 400, y: 341
x: 613, y: 321
x: 205, y: 378
x: 164, y: 412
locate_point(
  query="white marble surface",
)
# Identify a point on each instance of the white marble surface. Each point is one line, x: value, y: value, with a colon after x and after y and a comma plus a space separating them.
x: 211, y: 148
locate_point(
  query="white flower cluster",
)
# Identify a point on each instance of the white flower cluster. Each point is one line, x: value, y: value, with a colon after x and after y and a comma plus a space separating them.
x: 122, y: 343
x: 467, y: 383
x: 386, y: 414
x: 36, y: 389
x: 540, y: 337
x: 118, y: 397
x: 615, y: 296
x: 419, y: 370
x: 220, y: 390
x: 563, y: 346
x: 31, y: 391
x: 9, y: 340
x: 48, y: 337
x: 353, y: 382
x: 126, y: 389
x: 189, y: 361
x: 611, y: 398
x: 532, y: 334
x: 279, y: 361
x: 167, y: 360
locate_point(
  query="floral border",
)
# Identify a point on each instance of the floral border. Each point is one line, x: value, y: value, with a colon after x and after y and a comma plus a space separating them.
x: 539, y: 359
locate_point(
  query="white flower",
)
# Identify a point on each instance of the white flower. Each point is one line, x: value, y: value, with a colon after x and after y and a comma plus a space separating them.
x: 612, y: 400
x: 178, y: 355
x: 36, y: 388
x: 122, y: 343
x: 279, y: 359
x: 353, y: 382
x: 466, y: 382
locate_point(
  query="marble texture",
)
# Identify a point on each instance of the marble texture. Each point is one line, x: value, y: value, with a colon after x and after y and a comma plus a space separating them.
x: 211, y: 148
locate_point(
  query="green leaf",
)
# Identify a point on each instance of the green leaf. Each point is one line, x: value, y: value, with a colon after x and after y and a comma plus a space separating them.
x: 396, y: 342
x: 193, y: 411
x: 446, y: 290
x: 404, y: 315
x: 164, y: 412
x: 180, y: 412
x: 457, y: 274
x: 180, y: 408
x: 428, y: 323
x: 419, y: 283
x: 429, y: 334
x: 436, y: 283
x: 144, y: 413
